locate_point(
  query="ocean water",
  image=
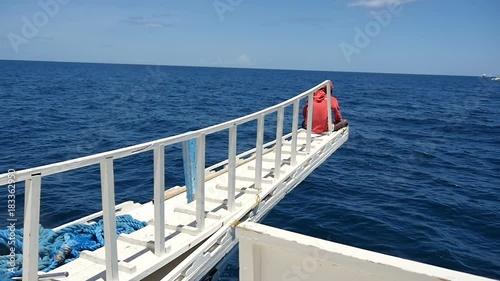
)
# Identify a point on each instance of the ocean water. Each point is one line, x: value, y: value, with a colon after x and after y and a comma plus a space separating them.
x: 419, y: 177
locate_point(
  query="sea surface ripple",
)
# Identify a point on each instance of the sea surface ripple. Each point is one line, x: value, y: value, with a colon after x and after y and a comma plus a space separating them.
x: 419, y: 177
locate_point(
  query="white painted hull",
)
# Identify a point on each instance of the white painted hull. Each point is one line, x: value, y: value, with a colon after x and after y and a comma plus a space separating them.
x: 270, y: 254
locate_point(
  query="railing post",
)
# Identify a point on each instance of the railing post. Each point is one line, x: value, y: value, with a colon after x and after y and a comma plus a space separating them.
x: 233, y: 131
x: 200, y: 182
x: 310, y: 108
x: 109, y: 218
x: 259, y: 152
x: 329, y: 104
x: 159, y: 199
x: 279, y: 141
x: 31, y: 230
x: 295, y: 128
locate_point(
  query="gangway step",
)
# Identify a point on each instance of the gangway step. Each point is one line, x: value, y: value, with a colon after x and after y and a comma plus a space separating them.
x: 251, y: 179
x: 303, y: 145
x: 313, y: 138
x: 267, y: 170
x: 191, y: 230
x: 221, y: 201
x: 239, y: 189
x: 186, y: 210
x: 271, y: 160
x: 298, y: 152
x: 144, y: 237
x: 150, y: 244
x: 98, y: 257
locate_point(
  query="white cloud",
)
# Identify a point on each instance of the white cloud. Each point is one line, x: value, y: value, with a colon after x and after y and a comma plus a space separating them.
x: 156, y: 22
x: 240, y: 61
x: 243, y: 60
x: 153, y: 25
x: 378, y: 3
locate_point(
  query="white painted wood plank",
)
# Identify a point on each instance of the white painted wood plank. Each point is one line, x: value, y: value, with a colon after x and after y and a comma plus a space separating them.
x: 259, y: 152
x: 96, y: 258
x: 159, y: 202
x: 310, y: 109
x: 252, y: 180
x: 189, y: 211
x: 232, y: 167
x: 295, y: 127
x: 324, y: 260
x: 329, y: 92
x: 240, y: 189
x: 222, y: 201
x: 109, y: 218
x: 200, y: 181
x: 250, y: 259
x: 279, y: 135
x: 31, y: 229
x: 266, y: 170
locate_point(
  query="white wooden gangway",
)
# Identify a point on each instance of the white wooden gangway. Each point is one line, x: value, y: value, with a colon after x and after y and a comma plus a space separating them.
x: 185, y: 240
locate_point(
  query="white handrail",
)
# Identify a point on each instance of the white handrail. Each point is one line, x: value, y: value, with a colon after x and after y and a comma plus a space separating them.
x: 33, y: 178
x: 245, y: 154
x: 139, y: 148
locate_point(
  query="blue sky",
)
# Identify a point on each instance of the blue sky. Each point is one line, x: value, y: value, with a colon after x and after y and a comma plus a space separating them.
x: 422, y: 36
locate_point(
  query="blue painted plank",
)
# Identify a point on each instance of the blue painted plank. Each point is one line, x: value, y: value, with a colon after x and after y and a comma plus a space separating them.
x: 189, y: 160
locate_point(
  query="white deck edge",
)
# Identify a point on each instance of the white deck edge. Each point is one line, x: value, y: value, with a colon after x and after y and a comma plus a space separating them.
x: 253, y: 235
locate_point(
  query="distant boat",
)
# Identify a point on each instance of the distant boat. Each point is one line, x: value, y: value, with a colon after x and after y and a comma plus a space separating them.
x: 495, y: 79
x: 484, y: 75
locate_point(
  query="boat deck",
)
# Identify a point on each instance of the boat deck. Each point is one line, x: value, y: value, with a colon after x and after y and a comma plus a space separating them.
x: 136, y: 257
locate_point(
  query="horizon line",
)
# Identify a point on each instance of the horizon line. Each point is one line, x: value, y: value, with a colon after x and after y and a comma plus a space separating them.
x: 242, y: 67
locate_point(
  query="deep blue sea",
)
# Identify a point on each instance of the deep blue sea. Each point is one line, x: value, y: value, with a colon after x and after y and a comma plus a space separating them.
x: 419, y: 177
